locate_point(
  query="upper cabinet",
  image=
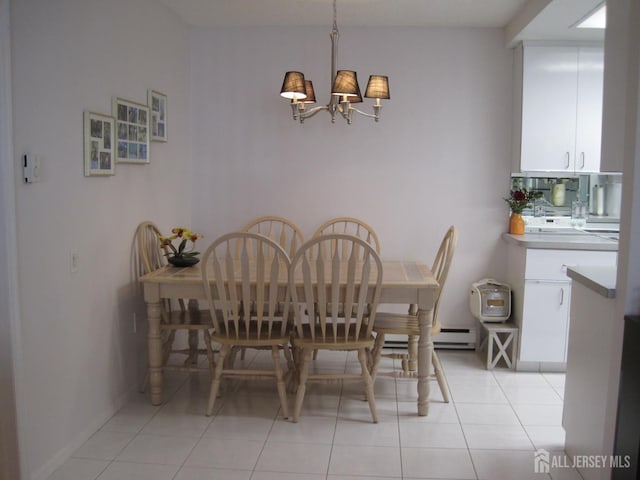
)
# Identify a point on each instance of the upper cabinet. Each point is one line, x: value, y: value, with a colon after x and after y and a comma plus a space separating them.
x: 558, y: 108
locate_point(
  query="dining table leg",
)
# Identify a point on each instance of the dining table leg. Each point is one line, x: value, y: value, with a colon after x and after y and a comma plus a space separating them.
x: 154, y: 347
x: 194, y: 339
x: 425, y: 351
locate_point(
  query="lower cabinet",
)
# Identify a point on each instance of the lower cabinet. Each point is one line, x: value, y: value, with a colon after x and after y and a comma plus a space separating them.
x: 541, y: 301
x: 545, y: 321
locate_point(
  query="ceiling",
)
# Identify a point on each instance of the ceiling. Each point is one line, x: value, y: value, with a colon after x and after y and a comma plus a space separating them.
x: 524, y: 19
x: 480, y: 13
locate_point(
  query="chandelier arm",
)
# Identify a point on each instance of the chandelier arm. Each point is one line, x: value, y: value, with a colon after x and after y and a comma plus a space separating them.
x: 375, y: 115
x: 370, y: 115
x: 343, y: 111
x: 311, y: 112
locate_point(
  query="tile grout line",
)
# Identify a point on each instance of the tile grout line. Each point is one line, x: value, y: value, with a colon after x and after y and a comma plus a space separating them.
x: 511, y: 405
x: 335, y: 427
x: 266, y: 439
x: 204, y: 430
x: 182, y: 383
x: 395, y: 383
x: 464, y: 435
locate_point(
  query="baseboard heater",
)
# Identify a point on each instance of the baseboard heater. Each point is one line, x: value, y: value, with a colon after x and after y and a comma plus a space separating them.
x: 448, y: 338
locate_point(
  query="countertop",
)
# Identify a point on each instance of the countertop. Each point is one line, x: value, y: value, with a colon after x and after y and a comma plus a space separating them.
x: 601, y: 280
x: 559, y: 241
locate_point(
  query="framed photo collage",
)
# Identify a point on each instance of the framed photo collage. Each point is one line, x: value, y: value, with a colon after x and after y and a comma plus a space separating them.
x: 125, y: 135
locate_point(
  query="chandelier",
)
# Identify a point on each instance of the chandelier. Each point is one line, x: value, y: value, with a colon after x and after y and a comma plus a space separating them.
x: 345, y: 90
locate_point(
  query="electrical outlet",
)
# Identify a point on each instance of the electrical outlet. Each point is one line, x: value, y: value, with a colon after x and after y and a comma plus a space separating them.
x: 75, y: 262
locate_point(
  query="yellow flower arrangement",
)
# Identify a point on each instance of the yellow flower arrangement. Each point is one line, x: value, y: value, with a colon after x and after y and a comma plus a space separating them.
x: 185, y: 235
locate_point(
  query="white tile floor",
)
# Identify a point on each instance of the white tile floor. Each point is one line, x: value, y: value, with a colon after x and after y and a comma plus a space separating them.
x: 490, y: 430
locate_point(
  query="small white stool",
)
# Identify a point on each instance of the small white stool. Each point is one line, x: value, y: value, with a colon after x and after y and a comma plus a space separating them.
x: 501, y: 342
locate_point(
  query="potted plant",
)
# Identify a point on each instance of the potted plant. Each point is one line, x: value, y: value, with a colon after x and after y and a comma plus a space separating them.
x: 180, y: 257
x: 518, y: 200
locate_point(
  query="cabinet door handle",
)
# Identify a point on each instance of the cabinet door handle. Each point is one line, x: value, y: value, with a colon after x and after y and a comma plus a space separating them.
x: 562, y: 296
x: 568, y: 160
x: 582, y: 158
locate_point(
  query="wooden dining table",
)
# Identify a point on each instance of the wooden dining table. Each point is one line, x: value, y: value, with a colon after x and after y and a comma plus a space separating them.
x: 403, y: 282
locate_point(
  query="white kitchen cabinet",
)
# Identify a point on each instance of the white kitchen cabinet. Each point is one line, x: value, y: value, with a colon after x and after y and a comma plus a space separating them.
x: 545, y: 321
x: 558, y: 108
x: 589, y: 109
x: 541, y: 300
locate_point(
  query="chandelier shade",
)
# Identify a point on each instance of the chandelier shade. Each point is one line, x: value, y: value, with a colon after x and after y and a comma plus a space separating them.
x: 357, y: 98
x: 308, y: 90
x: 378, y: 87
x: 345, y: 84
x: 293, y: 86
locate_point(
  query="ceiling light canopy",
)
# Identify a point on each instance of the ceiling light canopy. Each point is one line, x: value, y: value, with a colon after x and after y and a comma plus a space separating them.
x: 345, y: 90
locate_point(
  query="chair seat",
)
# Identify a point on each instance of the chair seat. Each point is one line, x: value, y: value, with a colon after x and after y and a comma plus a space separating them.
x: 401, y: 323
x: 251, y: 338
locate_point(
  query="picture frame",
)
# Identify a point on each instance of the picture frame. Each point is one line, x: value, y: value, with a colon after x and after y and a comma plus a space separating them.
x: 132, y: 131
x: 99, y: 144
x: 157, y: 103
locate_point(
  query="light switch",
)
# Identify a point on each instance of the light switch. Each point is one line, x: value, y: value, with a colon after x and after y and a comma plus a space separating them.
x: 32, y: 168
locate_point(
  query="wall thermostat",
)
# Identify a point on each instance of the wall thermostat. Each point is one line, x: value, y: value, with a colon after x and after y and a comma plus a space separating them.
x: 31, y: 168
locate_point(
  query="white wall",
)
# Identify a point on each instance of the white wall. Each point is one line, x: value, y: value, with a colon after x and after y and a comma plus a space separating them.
x: 79, y: 356
x: 439, y: 156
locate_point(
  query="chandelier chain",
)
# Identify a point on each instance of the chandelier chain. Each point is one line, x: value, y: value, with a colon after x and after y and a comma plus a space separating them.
x: 335, y: 16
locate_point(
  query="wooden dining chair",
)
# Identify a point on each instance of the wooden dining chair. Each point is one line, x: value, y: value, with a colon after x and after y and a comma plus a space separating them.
x: 284, y: 232
x: 334, y: 273
x: 351, y: 226
x: 407, y: 324
x: 149, y: 255
x: 239, y: 271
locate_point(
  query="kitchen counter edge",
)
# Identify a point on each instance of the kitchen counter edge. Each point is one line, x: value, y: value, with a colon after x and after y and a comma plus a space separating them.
x: 601, y: 280
x: 561, y: 242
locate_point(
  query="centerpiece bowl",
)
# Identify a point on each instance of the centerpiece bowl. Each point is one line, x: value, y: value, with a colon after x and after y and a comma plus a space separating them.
x: 183, y: 261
